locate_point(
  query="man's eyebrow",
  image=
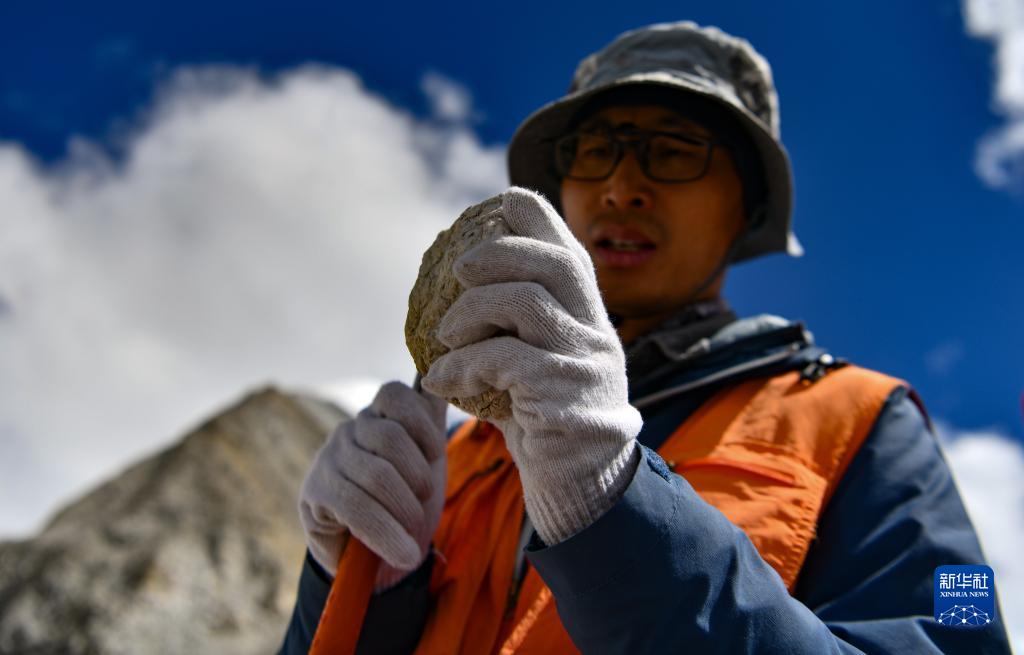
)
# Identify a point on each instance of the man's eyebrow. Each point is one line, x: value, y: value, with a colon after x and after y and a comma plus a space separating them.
x: 679, y: 121
x: 595, y: 121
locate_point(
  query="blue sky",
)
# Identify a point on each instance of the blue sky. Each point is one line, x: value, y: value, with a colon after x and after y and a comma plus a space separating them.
x: 912, y: 263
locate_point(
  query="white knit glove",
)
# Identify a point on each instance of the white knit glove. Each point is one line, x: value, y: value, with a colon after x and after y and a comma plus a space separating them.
x: 531, y: 321
x: 380, y: 476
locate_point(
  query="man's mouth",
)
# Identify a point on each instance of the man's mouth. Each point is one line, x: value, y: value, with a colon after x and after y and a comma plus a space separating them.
x: 625, y: 245
x: 623, y: 250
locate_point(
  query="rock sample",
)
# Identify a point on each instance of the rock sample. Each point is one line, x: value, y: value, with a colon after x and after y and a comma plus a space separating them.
x: 196, y: 550
x: 437, y: 288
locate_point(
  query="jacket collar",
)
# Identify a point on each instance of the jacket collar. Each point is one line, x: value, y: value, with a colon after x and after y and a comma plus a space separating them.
x: 741, y: 348
x: 675, y: 335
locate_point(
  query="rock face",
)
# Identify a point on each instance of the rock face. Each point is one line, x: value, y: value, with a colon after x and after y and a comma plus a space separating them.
x: 195, y: 550
x: 437, y: 288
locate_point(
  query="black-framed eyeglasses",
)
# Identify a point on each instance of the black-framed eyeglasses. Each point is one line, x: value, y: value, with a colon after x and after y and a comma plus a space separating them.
x: 592, y: 155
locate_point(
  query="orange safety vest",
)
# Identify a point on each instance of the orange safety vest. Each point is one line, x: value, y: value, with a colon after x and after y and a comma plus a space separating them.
x: 767, y: 453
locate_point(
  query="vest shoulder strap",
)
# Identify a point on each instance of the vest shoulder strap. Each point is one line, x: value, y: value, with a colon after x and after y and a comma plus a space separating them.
x: 769, y: 452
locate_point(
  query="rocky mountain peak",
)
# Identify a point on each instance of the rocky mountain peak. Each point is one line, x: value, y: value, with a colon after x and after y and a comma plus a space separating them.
x: 196, y: 549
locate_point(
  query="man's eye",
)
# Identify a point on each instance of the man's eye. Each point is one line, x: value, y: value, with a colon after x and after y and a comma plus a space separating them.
x: 595, y: 152
x: 669, y: 152
x: 673, y: 151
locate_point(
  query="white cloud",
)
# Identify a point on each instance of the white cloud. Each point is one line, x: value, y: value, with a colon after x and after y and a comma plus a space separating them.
x: 999, y: 159
x: 256, y: 230
x: 941, y: 359
x: 448, y: 99
x: 989, y: 470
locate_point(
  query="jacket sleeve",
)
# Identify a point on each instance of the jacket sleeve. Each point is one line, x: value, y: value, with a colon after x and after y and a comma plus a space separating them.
x: 693, y: 581
x: 394, y: 618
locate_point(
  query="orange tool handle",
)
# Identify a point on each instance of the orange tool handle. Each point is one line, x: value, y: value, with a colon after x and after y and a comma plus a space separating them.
x: 342, y: 618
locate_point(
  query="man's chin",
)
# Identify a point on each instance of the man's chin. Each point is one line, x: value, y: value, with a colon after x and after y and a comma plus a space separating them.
x: 636, y: 308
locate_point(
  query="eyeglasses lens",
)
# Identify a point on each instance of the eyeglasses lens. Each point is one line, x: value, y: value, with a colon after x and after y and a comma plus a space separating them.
x: 672, y: 158
x: 662, y: 157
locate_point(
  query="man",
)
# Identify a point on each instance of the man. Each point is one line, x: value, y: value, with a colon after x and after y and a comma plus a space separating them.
x: 795, y: 504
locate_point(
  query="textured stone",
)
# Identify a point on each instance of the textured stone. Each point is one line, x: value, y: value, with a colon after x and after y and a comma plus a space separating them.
x: 197, y: 549
x: 437, y: 288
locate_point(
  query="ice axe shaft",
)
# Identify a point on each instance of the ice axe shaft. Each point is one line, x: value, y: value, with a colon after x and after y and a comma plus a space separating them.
x: 342, y: 618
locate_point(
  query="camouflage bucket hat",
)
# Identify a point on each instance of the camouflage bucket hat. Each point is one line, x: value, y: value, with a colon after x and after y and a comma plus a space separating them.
x: 691, y: 60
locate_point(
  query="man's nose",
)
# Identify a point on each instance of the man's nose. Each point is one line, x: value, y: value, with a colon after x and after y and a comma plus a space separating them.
x: 627, y: 187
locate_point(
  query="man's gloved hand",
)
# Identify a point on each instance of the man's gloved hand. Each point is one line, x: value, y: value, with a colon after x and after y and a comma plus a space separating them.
x: 531, y: 321
x: 380, y: 476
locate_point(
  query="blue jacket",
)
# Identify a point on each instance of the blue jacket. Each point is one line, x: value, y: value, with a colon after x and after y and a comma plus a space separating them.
x: 663, y: 571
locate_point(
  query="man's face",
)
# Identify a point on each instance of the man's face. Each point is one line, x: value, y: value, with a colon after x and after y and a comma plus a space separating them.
x: 653, y: 243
